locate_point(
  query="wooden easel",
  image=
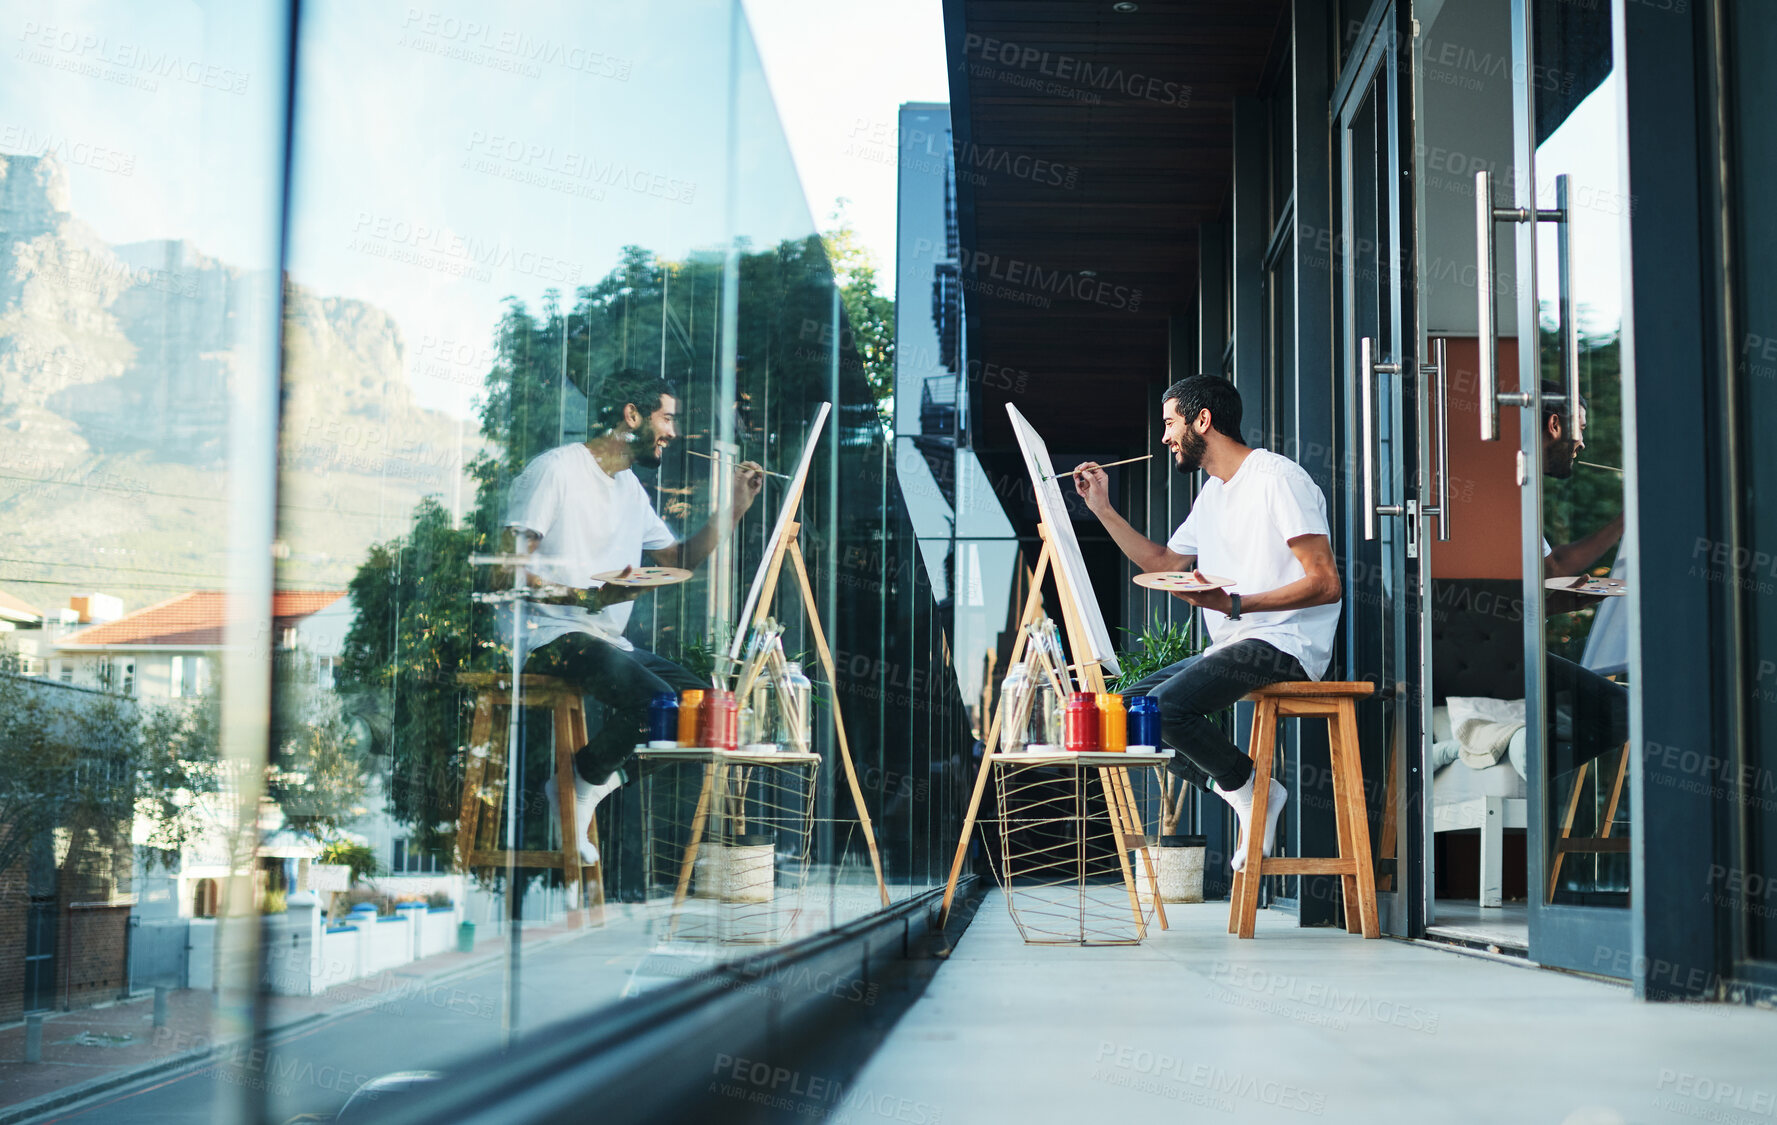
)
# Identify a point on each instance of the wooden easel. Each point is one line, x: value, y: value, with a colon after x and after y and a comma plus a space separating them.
x: 715, y: 775
x: 1119, y: 795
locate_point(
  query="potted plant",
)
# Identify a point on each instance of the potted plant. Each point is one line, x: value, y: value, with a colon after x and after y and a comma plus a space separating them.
x: 1179, y: 858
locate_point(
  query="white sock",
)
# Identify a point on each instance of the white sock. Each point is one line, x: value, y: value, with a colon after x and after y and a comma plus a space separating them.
x: 1241, y: 801
x: 586, y: 799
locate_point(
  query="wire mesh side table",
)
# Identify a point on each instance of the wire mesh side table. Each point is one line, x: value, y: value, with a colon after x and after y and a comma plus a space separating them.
x: 727, y: 839
x: 1074, y: 844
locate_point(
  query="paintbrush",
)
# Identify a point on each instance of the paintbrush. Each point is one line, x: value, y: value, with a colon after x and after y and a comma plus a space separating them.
x: 713, y: 457
x: 1125, y: 461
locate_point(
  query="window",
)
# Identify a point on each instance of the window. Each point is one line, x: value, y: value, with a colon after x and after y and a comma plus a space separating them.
x: 409, y: 861
x: 543, y: 212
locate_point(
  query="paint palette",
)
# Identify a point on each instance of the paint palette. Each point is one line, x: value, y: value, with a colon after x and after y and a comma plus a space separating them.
x: 1181, y: 581
x: 644, y: 576
x: 1587, y: 584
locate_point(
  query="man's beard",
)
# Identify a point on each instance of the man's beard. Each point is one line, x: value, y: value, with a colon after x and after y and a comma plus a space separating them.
x: 647, y: 451
x: 1191, y: 448
x: 1558, y: 459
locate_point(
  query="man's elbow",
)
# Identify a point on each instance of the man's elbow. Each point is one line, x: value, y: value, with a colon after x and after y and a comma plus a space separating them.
x: 1331, y: 590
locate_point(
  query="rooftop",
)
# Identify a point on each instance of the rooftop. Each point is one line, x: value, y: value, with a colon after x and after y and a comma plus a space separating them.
x: 196, y: 619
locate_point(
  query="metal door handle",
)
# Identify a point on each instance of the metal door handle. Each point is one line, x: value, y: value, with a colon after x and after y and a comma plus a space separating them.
x: 1368, y: 369
x: 1566, y: 307
x: 1440, y: 367
x: 1486, y: 214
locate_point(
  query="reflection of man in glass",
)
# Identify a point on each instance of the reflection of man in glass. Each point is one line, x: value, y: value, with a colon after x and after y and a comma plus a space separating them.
x: 578, y: 510
x: 1588, y: 715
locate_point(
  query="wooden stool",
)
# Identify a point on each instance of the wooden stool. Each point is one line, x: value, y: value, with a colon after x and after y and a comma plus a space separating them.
x: 1602, y: 844
x: 479, y: 839
x: 1337, y: 703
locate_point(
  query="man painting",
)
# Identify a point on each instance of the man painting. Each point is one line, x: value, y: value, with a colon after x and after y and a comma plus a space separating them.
x: 579, y: 510
x: 1262, y: 521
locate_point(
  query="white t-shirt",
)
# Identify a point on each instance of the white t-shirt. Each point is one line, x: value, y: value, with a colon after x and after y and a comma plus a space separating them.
x: 1241, y: 530
x: 590, y: 522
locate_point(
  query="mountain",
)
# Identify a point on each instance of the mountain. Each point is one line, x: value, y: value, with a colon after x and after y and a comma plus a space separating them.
x: 117, y: 364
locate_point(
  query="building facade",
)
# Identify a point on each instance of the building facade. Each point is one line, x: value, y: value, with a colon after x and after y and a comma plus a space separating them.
x: 1492, y: 272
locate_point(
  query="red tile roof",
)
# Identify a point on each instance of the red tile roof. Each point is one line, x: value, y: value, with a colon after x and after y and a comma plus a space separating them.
x: 197, y: 618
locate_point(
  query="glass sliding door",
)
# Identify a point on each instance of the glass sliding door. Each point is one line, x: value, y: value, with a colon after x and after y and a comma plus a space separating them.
x: 1560, y: 216
x: 1475, y: 808
x: 1570, y: 119
x: 1529, y: 630
x: 1382, y: 527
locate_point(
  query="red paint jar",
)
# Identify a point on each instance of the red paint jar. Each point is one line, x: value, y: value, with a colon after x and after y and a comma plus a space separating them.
x: 719, y: 724
x: 1079, y: 724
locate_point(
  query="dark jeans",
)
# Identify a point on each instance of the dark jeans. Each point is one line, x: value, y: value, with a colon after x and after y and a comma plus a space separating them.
x: 1198, y: 687
x: 625, y: 682
x: 1588, y: 715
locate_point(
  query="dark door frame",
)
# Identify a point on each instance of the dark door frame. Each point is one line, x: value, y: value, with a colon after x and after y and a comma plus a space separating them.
x: 1682, y: 930
x: 1381, y: 58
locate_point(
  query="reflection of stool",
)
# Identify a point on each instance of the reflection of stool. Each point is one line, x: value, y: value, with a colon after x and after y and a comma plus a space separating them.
x: 1602, y: 844
x: 1337, y: 703
x: 479, y: 841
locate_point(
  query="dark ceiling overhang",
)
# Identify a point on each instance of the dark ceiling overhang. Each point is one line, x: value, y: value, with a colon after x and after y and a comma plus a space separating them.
x: 1090, y: 144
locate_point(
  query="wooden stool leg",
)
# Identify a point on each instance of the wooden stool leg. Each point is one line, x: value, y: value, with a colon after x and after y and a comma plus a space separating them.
x: 1342, y: 825
x: 1237, y: 884
x: 481, y: 730
x: 488, y: 828
x: 596, y: 873
x: 565, y: 802
x: 1359, y: 816
x: 1387, y: 847
x: 1616, y: 794
x: 1573, y: 804
x: 1266, y: 723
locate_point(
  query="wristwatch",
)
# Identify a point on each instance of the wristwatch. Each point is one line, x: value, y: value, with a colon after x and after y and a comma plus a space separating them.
x: 1234, y: 607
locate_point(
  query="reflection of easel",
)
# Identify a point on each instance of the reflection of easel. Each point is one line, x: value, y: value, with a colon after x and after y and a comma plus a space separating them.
x: 715, y: 775
x: 1119, y: 795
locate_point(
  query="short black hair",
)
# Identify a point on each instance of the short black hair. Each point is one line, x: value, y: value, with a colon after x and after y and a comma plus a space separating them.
x: 1554, y: 396
x: 1212, y: 393
x: 629, y: 386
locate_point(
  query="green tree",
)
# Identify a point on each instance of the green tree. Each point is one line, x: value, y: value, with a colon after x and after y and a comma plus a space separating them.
x: 417, y: 625
x: 412, y: 634
x: 68, y: 760
x: 869, y: 315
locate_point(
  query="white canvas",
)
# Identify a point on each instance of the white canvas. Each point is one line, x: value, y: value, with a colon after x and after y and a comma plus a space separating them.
x: 786, y: 512
x: 1068, y: 559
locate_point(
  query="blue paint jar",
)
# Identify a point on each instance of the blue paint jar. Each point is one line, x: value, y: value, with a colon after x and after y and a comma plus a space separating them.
x: 663, y: 718
x: 1144, y: 720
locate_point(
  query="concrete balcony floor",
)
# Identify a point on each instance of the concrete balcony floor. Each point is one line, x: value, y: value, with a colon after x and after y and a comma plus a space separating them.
x: 1300, y: 1025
